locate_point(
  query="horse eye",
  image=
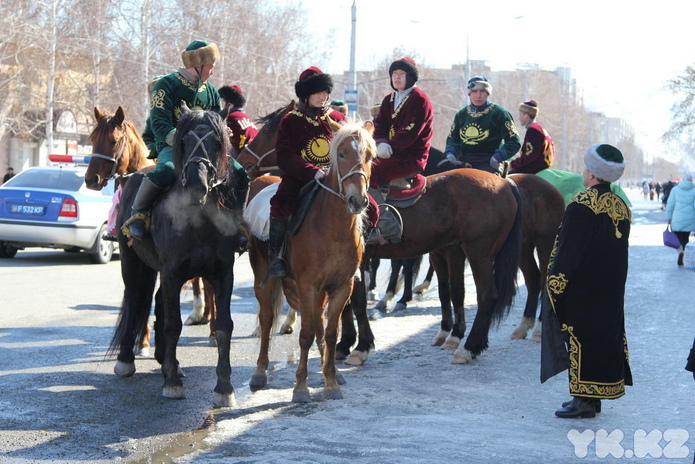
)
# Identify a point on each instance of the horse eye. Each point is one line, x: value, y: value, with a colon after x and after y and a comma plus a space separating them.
x: 340, y: 155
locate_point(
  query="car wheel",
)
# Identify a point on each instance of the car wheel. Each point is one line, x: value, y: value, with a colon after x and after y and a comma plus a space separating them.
x: 104, y: 249
x: 7, y: 251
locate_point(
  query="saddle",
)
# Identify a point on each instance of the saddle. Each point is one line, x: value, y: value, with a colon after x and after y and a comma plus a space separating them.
x: 306, y: 197
x: 398, y: 193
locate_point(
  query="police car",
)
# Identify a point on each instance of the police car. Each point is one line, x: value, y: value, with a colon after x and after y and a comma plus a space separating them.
x: 50, y: 207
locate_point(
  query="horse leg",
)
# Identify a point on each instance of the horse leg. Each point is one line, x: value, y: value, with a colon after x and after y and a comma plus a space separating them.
x: 544, y: 247
x: 210, y: 311
x: 422, y: 287
x: 311, y: 304
x: 371, y: 287
x: 287, y: 327
x: 438, y: 263
x: 197, y: 314
x: 348, y: 335
x: 142, y: 347
x: 365, y: 339
x: 383, y: 304
x: 332, y: 377
x: 171, y: 288
x: 477, y: 340
x: 532, y: 279
x: 456, y: 265
x: 411, y: 267
x: 224, y: 391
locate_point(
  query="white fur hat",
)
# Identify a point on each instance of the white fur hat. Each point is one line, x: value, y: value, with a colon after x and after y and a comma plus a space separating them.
x: 604, y: 161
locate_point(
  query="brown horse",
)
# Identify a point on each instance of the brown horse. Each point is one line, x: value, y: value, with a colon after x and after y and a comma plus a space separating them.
x: 331, y: 229
x: 118, y: 151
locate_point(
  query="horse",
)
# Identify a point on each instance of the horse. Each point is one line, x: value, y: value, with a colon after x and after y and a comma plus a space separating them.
x: 192, y: 233
x: 118, y: 151
x: 332, y: 228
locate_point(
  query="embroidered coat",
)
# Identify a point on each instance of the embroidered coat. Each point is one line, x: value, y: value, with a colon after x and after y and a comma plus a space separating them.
x: 302, y: 146
x: 475, y: 135
x: 243, y: 128
x: 586, y: 288
x: 537, y: 151
x: 408, y: 129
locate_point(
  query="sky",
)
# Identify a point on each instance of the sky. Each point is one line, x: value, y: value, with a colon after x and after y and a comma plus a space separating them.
x: 622, y: 53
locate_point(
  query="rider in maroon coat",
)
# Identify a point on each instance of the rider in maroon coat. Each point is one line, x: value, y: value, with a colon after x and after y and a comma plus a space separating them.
x: 538, y: 149
x: 242, y: 126
x: 302, y: 149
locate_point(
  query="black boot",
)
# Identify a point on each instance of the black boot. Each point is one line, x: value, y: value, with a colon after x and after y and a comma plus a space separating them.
x: 147, y: 195
x: 578, y: 407
x: 680, y: 259
x: 277, y: 266
x: 597, y: 404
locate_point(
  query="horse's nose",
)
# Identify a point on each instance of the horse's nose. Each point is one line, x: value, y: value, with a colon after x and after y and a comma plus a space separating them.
x: 93, y: 183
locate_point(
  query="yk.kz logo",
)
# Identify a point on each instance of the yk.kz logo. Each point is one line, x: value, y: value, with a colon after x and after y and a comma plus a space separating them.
x: 655, y: 444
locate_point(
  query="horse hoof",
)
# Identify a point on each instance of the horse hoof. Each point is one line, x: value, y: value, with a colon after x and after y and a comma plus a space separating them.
x: 143, y: 351
x: 258, y: 381
x: 462, y: 357
x: 286, y: 330
x: 375, y: 315
x: 400, y: 307
x: 422, y: 288
x: 357, y: 358
x: 332, y: 393
x: 381, y: 305
x: 451, y: 343
x: 372, y: 295
x: 122, y: 369
x: 224, y: 400
x: 174, y: 393
x: 301, y: 395
x: 440, y: 338
x: 519, y: 334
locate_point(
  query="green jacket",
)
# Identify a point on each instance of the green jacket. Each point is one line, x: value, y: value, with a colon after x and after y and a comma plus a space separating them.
x: 483, y: 132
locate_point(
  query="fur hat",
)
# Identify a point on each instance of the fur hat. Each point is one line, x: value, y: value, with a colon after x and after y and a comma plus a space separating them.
x: 529, y: 107
x: 232, y: 94
x: 312, y: 80
x: 408, y: 65
x: 339, y: 105
x: 605, y: 162
x: 477, y: 83
x: 199, y: 53
x: 374, y: 110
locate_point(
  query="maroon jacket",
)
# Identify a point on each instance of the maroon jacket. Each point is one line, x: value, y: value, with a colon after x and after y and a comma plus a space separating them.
x: 537, y: 151
x: 243, y: 129
x: 408, y: 128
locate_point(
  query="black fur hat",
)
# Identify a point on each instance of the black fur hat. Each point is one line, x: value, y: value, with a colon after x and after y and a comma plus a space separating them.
x: 311, y: 81
x: 232, y: 94
x: 408, y: 65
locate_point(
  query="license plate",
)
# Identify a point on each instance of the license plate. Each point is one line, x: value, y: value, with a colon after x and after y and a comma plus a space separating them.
x: 27, y: 209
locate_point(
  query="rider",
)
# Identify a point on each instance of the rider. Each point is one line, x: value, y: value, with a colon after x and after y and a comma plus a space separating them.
x: 302, y: 148
x: 243, y: 129
x: 188, y: 84
x: 340, y: 105
x: 538, y: 149
x: 483, y: 133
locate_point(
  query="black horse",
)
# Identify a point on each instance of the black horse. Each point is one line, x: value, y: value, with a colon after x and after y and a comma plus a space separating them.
x: 192, y: 233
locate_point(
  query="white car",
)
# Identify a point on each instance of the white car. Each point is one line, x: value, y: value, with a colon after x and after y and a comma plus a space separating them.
x: 50, y: 207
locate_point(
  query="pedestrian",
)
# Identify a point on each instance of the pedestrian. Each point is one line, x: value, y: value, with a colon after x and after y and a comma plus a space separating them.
x: 190, y: 85
x: 537, y: 150
x: 242, y: 126
x: 645, y: 189
x: 483, y: 134
x: 667, y: 191
x: 9, y: 174
x: 302, y: 147
x: 680, y: 212
x: 691, y: 361
x: 586, y: 290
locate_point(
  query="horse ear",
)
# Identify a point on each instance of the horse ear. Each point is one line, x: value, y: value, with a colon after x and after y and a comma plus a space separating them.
x: 184, y: 107
x: 292, y: 105
x: 98, y: 114
x: 369, y: 127
x: 119, y: 117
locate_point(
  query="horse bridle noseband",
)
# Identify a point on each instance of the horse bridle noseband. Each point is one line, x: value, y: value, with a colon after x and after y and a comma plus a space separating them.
x: 212, y: 170
x: 115, y: 160
x: 356, y: 169
x: 259, y: 160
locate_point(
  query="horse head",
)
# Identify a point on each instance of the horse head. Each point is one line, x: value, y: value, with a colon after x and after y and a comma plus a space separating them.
x: 258, y: 157
x: 201, y: 153
x: 352, y: 152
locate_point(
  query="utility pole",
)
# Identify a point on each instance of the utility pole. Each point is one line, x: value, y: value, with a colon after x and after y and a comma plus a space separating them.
x: 352, y: 105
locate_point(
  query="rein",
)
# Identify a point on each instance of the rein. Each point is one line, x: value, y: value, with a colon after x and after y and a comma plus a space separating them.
x: 356, y: 169
x: 115, y: 160
x: 212, y: 170
x: 259, y: 160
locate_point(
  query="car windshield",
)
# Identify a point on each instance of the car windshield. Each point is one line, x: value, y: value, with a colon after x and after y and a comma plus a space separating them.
x: 59, y: 179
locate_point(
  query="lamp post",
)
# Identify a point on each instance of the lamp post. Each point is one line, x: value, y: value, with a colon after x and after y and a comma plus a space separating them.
x: 353, y: 73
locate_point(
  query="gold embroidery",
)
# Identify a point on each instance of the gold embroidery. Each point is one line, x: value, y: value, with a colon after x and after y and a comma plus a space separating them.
x: 610, y: 204
x: 557, y: 284
x: 317, y: 150
x: 473, y: 134
x: 511, y: 127
x: 157, y: 99
x: 528, y: 149
x: 185, y: 82
x: 477, y: 114
x: 579, y: 387
x: 310, y: 120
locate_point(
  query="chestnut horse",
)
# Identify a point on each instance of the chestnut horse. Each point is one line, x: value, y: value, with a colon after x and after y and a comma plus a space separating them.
x: 323, y: 256
x: 193, y: 233
x: 119, y: 151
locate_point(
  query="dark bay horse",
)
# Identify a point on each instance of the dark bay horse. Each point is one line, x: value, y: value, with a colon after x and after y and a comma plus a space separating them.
x: 118, y: 151
x: 323, y: 256
x: 193, y: 233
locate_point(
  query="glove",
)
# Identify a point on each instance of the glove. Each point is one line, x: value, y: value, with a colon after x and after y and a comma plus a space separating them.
x: 499, y: 156
x: 451, y: 157
x: 384, y: 150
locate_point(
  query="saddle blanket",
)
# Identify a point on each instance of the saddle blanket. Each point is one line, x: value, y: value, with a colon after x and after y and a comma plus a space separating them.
x: 257, y: 213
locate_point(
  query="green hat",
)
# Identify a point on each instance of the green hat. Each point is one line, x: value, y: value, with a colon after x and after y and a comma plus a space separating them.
x: 605, y: 161
x: 199, y: 53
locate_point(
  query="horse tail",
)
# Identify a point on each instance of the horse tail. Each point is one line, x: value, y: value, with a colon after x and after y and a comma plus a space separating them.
x: 125, y: 328
x: 277, y: 301
x: 507, y: 264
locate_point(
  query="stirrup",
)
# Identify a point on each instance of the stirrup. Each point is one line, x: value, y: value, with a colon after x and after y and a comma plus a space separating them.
x: 126, y: 227
x: 278, y: 268
x: 375, y: 237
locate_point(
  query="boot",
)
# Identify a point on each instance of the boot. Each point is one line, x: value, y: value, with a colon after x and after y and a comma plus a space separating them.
x: 597, y: 404
x: 277, y: 266
x: 680, y: 259
x: 147, y: 195
x: 242, y: 237
x: 578, y: 407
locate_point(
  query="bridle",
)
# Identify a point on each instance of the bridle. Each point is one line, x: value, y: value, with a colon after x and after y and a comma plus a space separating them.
x: 115, y: 159
x: 205, y: 159
x: 356, y: 169
x: 259, y: 160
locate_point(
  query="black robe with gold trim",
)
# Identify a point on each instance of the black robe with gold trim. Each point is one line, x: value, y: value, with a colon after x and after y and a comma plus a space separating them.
x: 586, y: 288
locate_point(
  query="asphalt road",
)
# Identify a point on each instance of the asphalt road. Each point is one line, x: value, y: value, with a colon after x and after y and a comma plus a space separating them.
x: 61, y: 402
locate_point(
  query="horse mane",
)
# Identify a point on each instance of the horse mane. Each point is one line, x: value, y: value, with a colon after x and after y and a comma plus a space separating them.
x: 353, y: 130
x: 271, y: 121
